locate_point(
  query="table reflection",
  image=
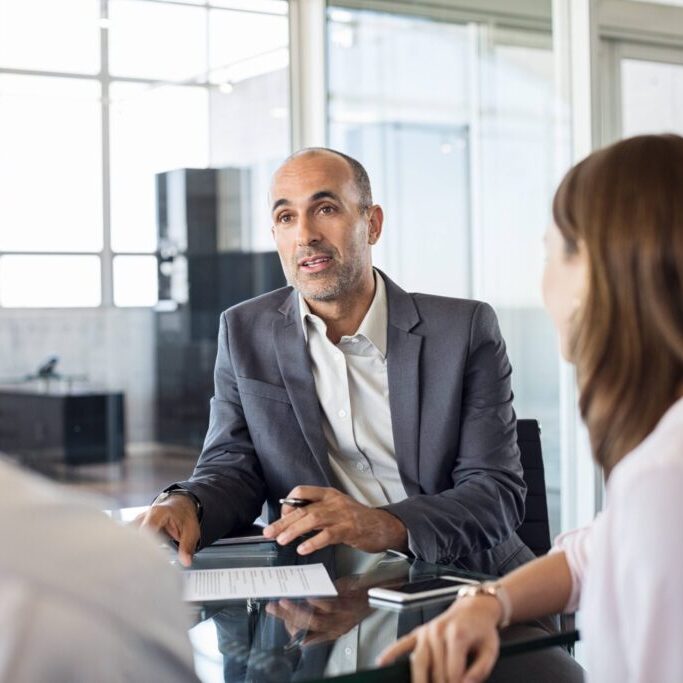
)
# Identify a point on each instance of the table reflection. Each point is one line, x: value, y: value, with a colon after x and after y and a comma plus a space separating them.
x: 281, y: 640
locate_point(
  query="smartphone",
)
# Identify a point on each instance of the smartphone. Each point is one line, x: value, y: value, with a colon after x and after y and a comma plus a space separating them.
x: 422, y: 589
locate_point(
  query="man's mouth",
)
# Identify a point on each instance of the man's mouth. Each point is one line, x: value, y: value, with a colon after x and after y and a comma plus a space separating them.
x: 314, y: 264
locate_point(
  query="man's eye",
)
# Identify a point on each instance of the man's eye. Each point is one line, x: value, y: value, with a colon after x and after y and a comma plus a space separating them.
x: 327, y: 210
x: 284, y: 218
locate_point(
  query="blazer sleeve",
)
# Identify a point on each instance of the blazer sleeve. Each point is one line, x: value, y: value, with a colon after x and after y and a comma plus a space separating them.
x: 227, y: 478
x: 485, y: 504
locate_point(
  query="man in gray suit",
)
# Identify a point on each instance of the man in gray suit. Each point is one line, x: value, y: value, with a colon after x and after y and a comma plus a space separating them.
x: 390, y: 412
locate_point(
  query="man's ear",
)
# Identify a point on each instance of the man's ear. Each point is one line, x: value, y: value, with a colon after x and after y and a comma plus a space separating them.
x: 272, y: 232
x: 375, y: 222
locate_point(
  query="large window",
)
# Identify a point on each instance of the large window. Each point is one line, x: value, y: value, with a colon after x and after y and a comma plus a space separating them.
x: 91, y: 112
x: 462, y: 157
x: 652, y: 95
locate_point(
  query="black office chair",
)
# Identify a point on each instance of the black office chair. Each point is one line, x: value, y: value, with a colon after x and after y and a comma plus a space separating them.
x: 535, y: 529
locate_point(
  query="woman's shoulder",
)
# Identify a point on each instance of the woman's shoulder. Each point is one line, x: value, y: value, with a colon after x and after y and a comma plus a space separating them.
x: 645, y: 497
x: 659, y: 458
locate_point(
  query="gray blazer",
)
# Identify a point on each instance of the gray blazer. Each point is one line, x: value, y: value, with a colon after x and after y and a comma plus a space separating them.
x: 451, y: 407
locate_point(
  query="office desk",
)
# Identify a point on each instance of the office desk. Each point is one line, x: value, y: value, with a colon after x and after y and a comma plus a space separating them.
x: 273, y: 641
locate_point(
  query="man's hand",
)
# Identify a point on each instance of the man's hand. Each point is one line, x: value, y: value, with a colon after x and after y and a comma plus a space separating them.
x: 323, y: 620
x: 339, y: 519
x: 176, y: 517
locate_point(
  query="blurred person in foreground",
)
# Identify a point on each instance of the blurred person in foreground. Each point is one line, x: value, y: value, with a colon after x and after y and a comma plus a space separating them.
x: 613, y: 285
x: 81, y: 598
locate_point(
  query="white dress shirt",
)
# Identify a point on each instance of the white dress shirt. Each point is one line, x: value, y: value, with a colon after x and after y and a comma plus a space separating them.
x: 353, y: 389
x: 81, y: 598
x: 627, y: 566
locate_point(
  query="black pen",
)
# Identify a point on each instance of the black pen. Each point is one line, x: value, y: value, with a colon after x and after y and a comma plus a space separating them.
x: 295, y: 502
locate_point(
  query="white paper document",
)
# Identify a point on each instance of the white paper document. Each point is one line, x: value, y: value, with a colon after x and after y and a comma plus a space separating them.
x: 296, y: 581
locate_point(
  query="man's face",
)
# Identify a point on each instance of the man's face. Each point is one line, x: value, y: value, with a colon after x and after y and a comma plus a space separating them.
x: 321, y: 235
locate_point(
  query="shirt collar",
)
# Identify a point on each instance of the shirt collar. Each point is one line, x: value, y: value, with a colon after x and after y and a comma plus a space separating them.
x: 373, y: 326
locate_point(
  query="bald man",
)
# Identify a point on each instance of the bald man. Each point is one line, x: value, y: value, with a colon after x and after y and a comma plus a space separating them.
x: 390, y: 413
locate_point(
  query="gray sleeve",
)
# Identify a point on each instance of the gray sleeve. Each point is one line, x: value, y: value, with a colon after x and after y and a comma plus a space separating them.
x: 486, y: 502
x: 227, y: 478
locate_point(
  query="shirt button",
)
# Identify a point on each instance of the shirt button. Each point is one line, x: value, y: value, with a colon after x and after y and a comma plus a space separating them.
x: 342, y: 413
x: 360, y: 466
x: 354, y: 340
x: 348, y: 651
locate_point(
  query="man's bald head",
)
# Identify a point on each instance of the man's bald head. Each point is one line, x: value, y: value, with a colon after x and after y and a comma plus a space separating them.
x: 360, y: 175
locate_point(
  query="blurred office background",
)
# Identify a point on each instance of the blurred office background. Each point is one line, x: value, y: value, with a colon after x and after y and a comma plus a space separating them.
x: 137, y: 139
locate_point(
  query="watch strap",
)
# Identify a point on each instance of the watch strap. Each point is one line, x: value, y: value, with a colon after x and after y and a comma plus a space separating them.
x: 176, y: 490
x: 495, y: 590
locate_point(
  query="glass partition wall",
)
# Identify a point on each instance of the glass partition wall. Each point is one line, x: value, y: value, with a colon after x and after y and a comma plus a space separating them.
x: 456, y: 123
x: 453, y: 105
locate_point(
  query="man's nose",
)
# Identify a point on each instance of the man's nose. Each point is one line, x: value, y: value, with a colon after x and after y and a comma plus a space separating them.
x: 307, y: 233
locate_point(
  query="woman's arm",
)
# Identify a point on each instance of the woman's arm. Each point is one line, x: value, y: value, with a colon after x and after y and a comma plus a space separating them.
x: 468, y: 630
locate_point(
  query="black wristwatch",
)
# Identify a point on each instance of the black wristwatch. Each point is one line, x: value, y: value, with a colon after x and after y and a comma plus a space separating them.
x: 178, y: 491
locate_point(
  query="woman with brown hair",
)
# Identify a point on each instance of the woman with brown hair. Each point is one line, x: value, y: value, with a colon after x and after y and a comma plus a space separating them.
x: 613, y: 285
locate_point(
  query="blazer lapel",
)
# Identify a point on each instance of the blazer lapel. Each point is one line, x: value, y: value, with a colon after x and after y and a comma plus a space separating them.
x: 403, y: 368
x: 295, y: 366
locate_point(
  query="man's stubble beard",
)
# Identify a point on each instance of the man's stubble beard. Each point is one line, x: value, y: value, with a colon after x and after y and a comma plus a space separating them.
x: 330, y: 286
x: 326, y: 285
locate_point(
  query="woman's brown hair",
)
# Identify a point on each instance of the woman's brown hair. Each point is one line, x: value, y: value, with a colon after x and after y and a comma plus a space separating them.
x: 625, y: 204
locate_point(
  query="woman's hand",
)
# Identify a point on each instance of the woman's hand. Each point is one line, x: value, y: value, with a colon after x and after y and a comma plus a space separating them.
x: 460, y: 646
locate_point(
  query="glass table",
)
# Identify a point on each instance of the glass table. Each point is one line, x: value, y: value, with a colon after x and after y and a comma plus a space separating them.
x: 278, y: 640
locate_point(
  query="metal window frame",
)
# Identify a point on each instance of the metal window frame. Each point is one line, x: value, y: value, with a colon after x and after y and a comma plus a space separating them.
x: 106, y: 254
x: 613, y: 51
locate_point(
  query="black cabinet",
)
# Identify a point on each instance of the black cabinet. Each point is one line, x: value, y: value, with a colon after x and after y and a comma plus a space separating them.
x: 75, y: 429
x: 205, y: 267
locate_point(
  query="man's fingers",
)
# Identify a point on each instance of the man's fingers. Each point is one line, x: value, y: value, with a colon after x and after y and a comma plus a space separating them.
x: 139, y: 519
x: 187, y: 544
x: 312, y: 493
x: 173, y: 530
x: 304, y: 616
x: 322, y: 540
x: 291, y: 614
x: 154, y: 519
x: 276, y: 528
x: 399, y: 648
x: 274, y: 609
x: 309, y: 519
x: 326, y: 606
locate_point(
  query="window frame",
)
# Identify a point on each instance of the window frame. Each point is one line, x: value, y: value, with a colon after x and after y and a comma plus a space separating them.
x: 104, y: 78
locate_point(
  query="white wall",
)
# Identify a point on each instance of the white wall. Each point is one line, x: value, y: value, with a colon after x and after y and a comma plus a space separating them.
x: 114, y: 347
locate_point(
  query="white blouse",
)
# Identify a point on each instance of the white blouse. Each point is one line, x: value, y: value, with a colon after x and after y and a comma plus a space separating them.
x: 627, y: 566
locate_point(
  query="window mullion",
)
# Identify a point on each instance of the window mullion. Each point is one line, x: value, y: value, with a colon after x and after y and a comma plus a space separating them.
x: 106, y: 255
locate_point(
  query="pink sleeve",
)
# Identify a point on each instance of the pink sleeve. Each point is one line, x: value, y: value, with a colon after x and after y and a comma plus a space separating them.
x: 576, y: 547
